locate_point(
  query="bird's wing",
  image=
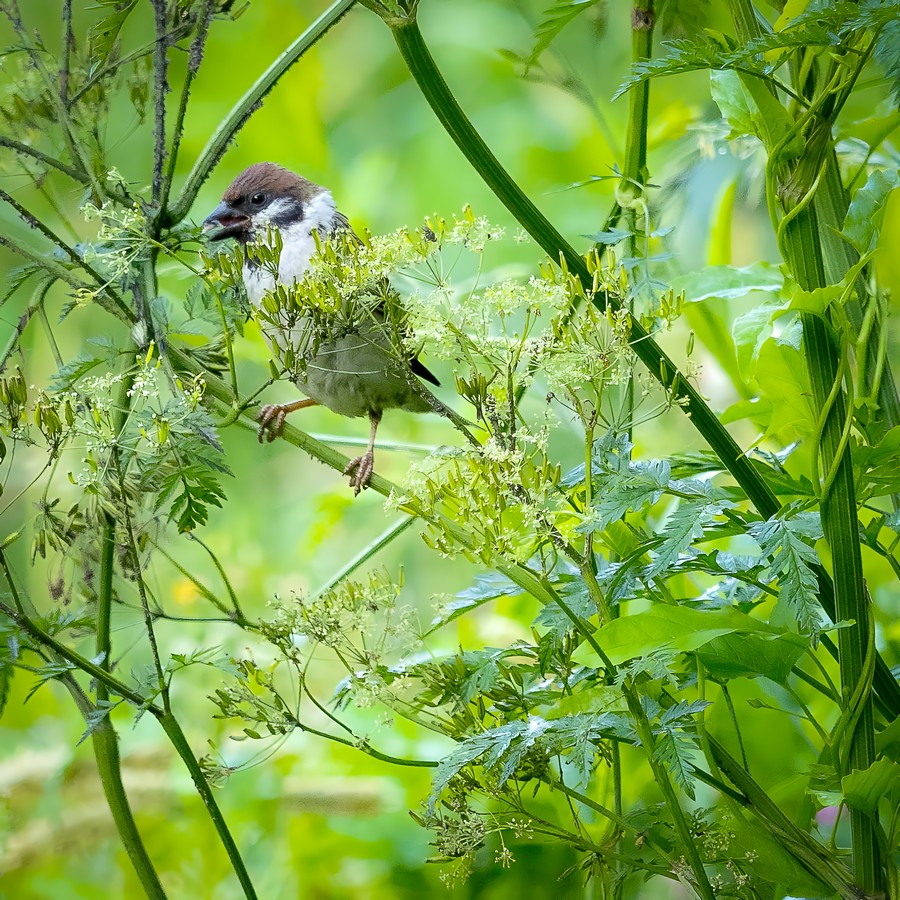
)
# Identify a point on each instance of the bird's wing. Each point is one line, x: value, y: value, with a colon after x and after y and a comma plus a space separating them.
x: 416, y: 366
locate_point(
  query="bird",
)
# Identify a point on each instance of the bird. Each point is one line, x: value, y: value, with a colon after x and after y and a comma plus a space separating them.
x: 356, y: 374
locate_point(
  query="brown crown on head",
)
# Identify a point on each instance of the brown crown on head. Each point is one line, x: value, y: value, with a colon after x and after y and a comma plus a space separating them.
x: 271, y: 179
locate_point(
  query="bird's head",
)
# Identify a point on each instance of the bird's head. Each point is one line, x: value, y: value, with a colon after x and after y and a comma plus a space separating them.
x: 269, y: 196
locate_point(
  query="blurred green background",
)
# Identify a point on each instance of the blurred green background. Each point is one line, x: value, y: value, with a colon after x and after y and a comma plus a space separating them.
x: 313, y: 819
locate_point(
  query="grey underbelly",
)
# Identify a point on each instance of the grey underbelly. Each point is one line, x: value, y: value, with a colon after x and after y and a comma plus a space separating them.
x: 354, y: 376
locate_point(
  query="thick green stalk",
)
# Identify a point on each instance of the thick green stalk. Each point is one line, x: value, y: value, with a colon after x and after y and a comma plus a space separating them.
x: 635, y: 169
x: 106, y: 752
x: 831, y: 204
x: 798, y: 186
x: 803, y: 255
x: 247, y: 105
x: 818, y: 860
x: 103, y: 736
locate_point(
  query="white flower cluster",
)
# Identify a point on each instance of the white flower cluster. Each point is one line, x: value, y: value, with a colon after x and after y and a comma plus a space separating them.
x: 121, y: 237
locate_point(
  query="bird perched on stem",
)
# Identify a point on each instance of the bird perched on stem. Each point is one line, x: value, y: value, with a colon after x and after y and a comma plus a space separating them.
x: 356, y: 374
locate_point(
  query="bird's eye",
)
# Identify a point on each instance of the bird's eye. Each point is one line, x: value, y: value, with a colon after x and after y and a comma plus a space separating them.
x: 258, y: 199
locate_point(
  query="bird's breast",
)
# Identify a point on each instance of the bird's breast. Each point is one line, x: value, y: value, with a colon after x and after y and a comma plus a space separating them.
x: 297, y: 249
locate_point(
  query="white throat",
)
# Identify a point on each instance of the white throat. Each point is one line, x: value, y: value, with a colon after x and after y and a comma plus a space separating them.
x: 297, y: 242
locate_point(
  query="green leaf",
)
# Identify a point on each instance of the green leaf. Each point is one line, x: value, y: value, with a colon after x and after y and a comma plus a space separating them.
x: 783, y: 379
x: 675, y: 748
x: 105, y: 33
x: 613, y: 236
x: 678, y: 628
x: 750, y: 108
x: 728, y: 282
x: 554, y: 19
x: 618, y: 492
x: 887, y: 741
x: 863, y: 788
x: 750, y: 331
x: 787, y: 539
x: 682, y: 528
x: 750, y: 655
x: 682, y: 17
x: 887, y: 55
x: 863, y: 222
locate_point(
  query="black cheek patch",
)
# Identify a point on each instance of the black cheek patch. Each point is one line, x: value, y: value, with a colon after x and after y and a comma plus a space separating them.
x: 290, y: 215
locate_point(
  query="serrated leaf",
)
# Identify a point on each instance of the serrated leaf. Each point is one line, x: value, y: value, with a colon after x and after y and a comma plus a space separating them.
x: 728, y: 282
x: 887, y: 55
x: 675, y: 748
x: 682, y: 528
x: 677, y: 628
x: 74, y: 370
x: 618, y: 492
x: 106, y: 31
x: 750, y: 655
x: 787, y: 539
x: 552, y: 22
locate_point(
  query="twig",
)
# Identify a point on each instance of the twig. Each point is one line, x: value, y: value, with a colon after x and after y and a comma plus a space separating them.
x: 160, y: 89
x: 68, y: 45
x: 42, y: 157
x: 195, y: 57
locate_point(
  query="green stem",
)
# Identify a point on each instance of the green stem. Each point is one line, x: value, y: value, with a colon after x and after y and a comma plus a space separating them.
x: 41, y: 157
x: 195, y: 55
x: 182, y: 747
x: 664, y: 782
x: 247, y: 105
x: 367, y: 553
x: 799, y: 238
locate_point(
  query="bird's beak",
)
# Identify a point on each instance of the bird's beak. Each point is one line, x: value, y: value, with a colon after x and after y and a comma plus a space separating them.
x: 225, y: 222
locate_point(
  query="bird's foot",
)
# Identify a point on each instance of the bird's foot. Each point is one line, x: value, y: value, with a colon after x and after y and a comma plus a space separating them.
x: 271, y: 421
x: 360, y: 471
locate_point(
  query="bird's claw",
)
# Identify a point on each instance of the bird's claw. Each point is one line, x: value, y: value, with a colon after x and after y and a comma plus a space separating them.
x: 271, y: 421
x: 360, y: 471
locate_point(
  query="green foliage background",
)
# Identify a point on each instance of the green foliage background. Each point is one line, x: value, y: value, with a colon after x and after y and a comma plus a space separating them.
x: 315, y: 819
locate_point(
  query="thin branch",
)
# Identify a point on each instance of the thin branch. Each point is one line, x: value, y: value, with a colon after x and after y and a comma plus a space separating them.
x: 183, y: 748
x: 68, y: 46
x: 367, y: 553
x: 195, y: 57
x: 24, y: 319
x: 160, y: 89
x: 40, y: 156
x: 238, y: 614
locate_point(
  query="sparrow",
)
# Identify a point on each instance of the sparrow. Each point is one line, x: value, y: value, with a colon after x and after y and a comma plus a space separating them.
x: 356, y: 374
